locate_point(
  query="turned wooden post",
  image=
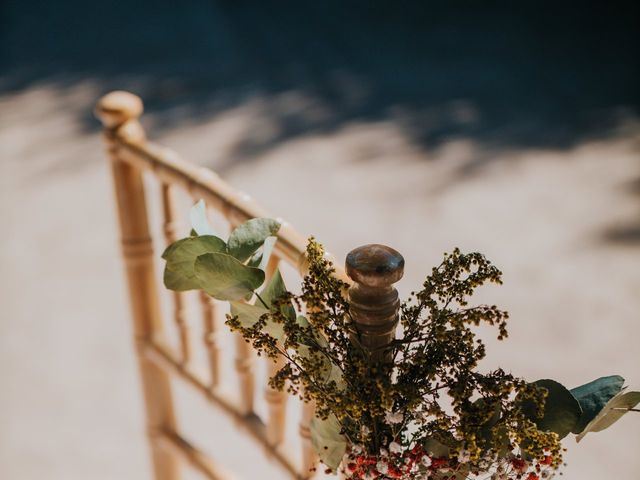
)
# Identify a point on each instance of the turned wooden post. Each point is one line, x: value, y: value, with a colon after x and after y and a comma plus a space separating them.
x: 119, y: 113
x: 373, y: 300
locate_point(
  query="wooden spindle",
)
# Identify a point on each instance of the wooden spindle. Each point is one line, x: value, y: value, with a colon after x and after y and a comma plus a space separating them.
x: 276, y: 400
x: 119, y: 113
x: 277, y: 405
x: 180, y: 312
x: 373, y: 301
x: 309, y: 455
x: 211, y: 337
x: 245, y: 367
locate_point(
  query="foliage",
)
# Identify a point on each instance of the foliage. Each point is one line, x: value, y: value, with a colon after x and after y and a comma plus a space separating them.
x: 425, y: 410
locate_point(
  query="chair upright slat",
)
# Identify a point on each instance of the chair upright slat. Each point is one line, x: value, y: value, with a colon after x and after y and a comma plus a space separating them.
x: 245, y: 365
x: 277, y: 404
x: 119, y: 112
x: 209, y: 320
x: 180, y: 313
x: 276, y: 400
x: 309, y: 455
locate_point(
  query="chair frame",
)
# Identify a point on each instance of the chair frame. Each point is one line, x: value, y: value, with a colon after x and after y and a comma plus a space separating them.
x: 374, y: 304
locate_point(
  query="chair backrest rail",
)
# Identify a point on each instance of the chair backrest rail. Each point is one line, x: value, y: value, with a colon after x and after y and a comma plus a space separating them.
x: 203, y: 183
x: 181, y: 448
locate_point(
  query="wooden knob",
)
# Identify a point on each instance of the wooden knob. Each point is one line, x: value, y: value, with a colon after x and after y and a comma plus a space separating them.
x: 375, y: 266
x: 373, y: 302
x: 118, y: 107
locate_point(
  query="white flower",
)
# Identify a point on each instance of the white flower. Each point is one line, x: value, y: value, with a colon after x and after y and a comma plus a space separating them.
x: 382, y: 467
x: 395, y: 447
x: 426, y: 461
x: 464, y: 456
x: 423, y: 416
x: 384, y: 452
x: 393, y: 418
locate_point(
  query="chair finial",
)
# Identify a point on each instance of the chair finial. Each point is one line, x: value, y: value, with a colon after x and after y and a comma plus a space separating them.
x: 118, y: 107
x: 373, y: 301
x: 375, y: 265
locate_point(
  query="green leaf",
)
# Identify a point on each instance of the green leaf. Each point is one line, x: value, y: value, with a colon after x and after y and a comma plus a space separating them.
x: 225, y: 278
x: 248, y: 315
x: 181, y: 256
x: 250, y: 236
x: 435, y: 448
x: 274, y: 290
x: 327, y: 440
x: 199, y: 221
x: 561, y: 409
x: 611, y: 413
x: 328, y: 371
x: 593, y: 396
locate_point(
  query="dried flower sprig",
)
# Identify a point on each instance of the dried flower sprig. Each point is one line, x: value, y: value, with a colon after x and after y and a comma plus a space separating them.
x: 422, y: 409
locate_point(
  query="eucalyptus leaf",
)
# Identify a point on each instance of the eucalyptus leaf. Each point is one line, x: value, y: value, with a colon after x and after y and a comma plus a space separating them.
x: 248, y: 315
x: 611, y: 413
x: 593, y: 396
x: 561, y: 410
x: 327, y: 440
x: 199, y: 222
x: 255, y: 260
x: 302, y: 321
x: 275, y: 289
x: 328, y: 370
x: 261, y: 258
x: 248, y: 237
x: 225, y: 278
x: 181, y: 256
x: 435, y: 448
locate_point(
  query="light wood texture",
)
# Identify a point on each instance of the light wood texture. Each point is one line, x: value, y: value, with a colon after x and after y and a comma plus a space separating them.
x: 245, y: 368
x: 180, y: 313
x: 200, y: 462
x: 277, y: 404
x: 210, y: 337
x: 309, y: 455
x: 118, y: 112
x: 276, y: 400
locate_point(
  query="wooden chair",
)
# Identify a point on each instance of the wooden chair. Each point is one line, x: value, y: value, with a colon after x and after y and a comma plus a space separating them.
x: 132, y: 156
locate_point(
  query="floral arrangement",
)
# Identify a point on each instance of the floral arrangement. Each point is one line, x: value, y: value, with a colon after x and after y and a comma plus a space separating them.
x: 418, y: 409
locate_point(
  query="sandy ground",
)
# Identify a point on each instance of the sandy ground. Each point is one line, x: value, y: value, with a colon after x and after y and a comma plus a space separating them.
x: 561, y: 223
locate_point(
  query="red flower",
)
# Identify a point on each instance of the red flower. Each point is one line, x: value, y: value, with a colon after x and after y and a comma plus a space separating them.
x: 546, y: 461
x: 519, y: 465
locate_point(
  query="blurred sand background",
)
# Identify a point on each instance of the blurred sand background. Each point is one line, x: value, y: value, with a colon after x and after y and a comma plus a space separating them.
x: 512, y: 133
